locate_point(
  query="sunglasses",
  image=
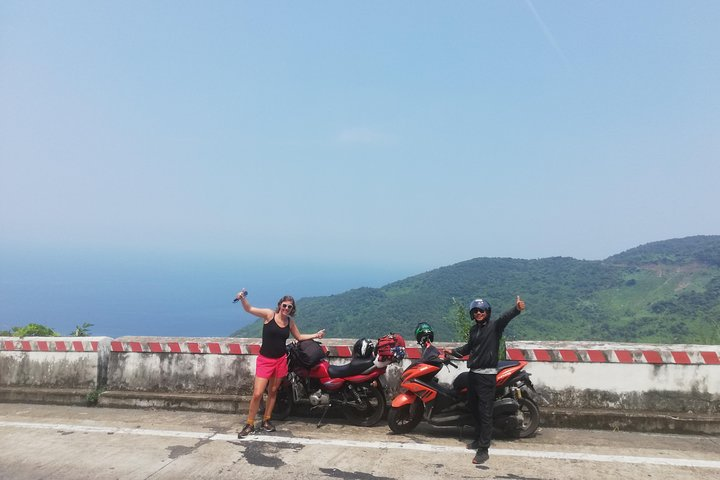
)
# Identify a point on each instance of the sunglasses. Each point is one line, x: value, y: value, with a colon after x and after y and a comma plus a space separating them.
x: 478, y: 310
x: 288, y: 306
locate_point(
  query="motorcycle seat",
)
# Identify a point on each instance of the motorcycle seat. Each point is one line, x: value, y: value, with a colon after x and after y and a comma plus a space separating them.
x: 355, y: 367
x: 502, y: 364
x: 461, y: 381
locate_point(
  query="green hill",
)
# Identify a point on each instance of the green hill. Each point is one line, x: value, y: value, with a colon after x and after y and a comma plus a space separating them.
x: 661, y: 292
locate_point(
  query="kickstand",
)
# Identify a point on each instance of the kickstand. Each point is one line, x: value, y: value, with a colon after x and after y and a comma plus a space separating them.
x: 325, y: 410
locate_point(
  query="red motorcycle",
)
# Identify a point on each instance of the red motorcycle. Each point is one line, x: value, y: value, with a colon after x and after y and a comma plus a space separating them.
x: 515, y: 412
x: 354, y: 387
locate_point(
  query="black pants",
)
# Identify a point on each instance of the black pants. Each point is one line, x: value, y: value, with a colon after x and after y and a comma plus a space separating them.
x: 480, y: 401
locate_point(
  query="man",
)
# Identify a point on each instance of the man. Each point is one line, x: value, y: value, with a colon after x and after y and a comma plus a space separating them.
x: 483, y: 350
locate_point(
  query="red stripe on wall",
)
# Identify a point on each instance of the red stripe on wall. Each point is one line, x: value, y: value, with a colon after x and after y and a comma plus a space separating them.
x: 214, y: 348
x: 711, y: 358
x: 9, y: 345
x: 624, y: 356
x: 652, y: 356
x: 681, y: 357
x: 515, y: 354
x: 597, y: 356
x: 26, y: 346
x: 174, y: 347
x: 43, y: 346
x: 413, y: 353
x: 235, y: 349
x: 135, y: 347
x: 568, y: 356
x: 344, y: 351
x: 542, y: 355
x: 193, y: 347
x: 155, y: 347
x: 116, y: 346
x: 60, y: 347
x: 78, y: 346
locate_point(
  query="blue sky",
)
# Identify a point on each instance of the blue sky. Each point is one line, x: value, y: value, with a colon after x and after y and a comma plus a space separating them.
x: 375, y: 139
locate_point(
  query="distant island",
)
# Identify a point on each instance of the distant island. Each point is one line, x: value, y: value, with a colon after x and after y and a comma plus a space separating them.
x: 661, y: 292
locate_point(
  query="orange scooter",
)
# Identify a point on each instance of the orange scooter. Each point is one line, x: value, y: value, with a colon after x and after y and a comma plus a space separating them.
x: 423, y: 397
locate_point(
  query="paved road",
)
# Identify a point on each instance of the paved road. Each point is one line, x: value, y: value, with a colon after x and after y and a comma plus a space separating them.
x: 40, y: 441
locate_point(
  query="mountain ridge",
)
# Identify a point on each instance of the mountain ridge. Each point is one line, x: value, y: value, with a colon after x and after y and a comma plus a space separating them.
x: 660, y: 292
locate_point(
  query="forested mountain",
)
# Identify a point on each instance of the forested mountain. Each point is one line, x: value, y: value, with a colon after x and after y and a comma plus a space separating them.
x: 661, y: 292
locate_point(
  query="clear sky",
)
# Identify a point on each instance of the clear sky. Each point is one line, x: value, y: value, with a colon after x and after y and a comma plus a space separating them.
x: 387, y: 137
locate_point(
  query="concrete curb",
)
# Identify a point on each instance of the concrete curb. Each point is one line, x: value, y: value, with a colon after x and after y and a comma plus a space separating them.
x: 616, y: 420
x: 219, y: 403
x: 50, y: 396
x: 628, y: 420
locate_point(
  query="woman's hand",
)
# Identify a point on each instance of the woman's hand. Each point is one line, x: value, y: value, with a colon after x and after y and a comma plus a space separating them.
x: 320, y: 333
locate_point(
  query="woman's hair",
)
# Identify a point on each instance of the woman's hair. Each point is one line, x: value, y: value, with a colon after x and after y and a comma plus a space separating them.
x: 287, y: 298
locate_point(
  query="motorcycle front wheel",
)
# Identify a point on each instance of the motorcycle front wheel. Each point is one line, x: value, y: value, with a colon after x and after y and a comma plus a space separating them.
x: 368, y: 410
x: 404, y: 419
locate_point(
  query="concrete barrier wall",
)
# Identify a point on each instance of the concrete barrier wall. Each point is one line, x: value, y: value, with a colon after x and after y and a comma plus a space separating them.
x: 52, y: 369
x: 217, y: 373
x: 668, y: 378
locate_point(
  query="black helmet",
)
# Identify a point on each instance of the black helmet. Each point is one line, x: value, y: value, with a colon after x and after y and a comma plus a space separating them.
x: 479, y: 304
x: 363, y: 348
x: 424, y: 332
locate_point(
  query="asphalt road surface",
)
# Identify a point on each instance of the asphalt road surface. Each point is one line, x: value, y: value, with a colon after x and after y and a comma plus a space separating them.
x: 59, y: 442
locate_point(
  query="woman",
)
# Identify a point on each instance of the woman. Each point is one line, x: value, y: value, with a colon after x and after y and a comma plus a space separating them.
x: 271, y: 364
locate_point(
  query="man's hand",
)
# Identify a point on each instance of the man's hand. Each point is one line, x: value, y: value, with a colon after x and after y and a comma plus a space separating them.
x: 520, y: 304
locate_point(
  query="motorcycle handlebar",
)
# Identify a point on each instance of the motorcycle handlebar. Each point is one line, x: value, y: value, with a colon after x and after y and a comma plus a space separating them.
x: 447, y: 361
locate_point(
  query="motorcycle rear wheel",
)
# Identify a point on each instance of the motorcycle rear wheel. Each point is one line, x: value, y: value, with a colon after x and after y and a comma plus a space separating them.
x: 531, y: 418
x: 369, y: 411
x: 404, y: 419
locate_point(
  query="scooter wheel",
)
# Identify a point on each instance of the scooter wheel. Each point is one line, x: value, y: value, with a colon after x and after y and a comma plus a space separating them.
x: 530, y: 418
x: 404, y: 419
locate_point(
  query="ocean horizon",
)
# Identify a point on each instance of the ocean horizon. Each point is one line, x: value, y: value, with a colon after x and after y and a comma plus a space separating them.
x: 167, y: 296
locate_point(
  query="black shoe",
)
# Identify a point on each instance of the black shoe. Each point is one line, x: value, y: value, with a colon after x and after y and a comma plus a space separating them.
x: 267, y: 426
x: 474, y: 445
x: 247, y: 430
x: 481, y: 456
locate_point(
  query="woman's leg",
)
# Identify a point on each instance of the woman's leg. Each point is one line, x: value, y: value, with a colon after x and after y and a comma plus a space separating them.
x: 258, y: 390
x: 273, y: 386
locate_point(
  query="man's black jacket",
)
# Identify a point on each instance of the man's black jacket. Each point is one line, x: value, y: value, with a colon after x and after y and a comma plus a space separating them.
x: 484, y: 342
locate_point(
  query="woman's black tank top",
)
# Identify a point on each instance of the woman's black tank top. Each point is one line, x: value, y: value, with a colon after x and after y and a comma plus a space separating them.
x: 273, y: 339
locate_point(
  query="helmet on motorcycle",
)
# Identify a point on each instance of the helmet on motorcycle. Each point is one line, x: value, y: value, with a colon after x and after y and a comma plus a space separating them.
x: 424, y: 332
x: 363, y: 348
x: 481, y: 305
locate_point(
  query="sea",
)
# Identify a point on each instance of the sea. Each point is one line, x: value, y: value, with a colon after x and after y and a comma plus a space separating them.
x: 160, y: 295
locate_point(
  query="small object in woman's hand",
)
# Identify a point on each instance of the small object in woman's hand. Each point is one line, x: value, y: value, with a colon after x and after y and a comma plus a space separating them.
x: 243, y: 293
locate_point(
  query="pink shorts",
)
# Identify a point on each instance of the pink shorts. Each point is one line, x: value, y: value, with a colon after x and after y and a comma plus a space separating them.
x: 271, y: 367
